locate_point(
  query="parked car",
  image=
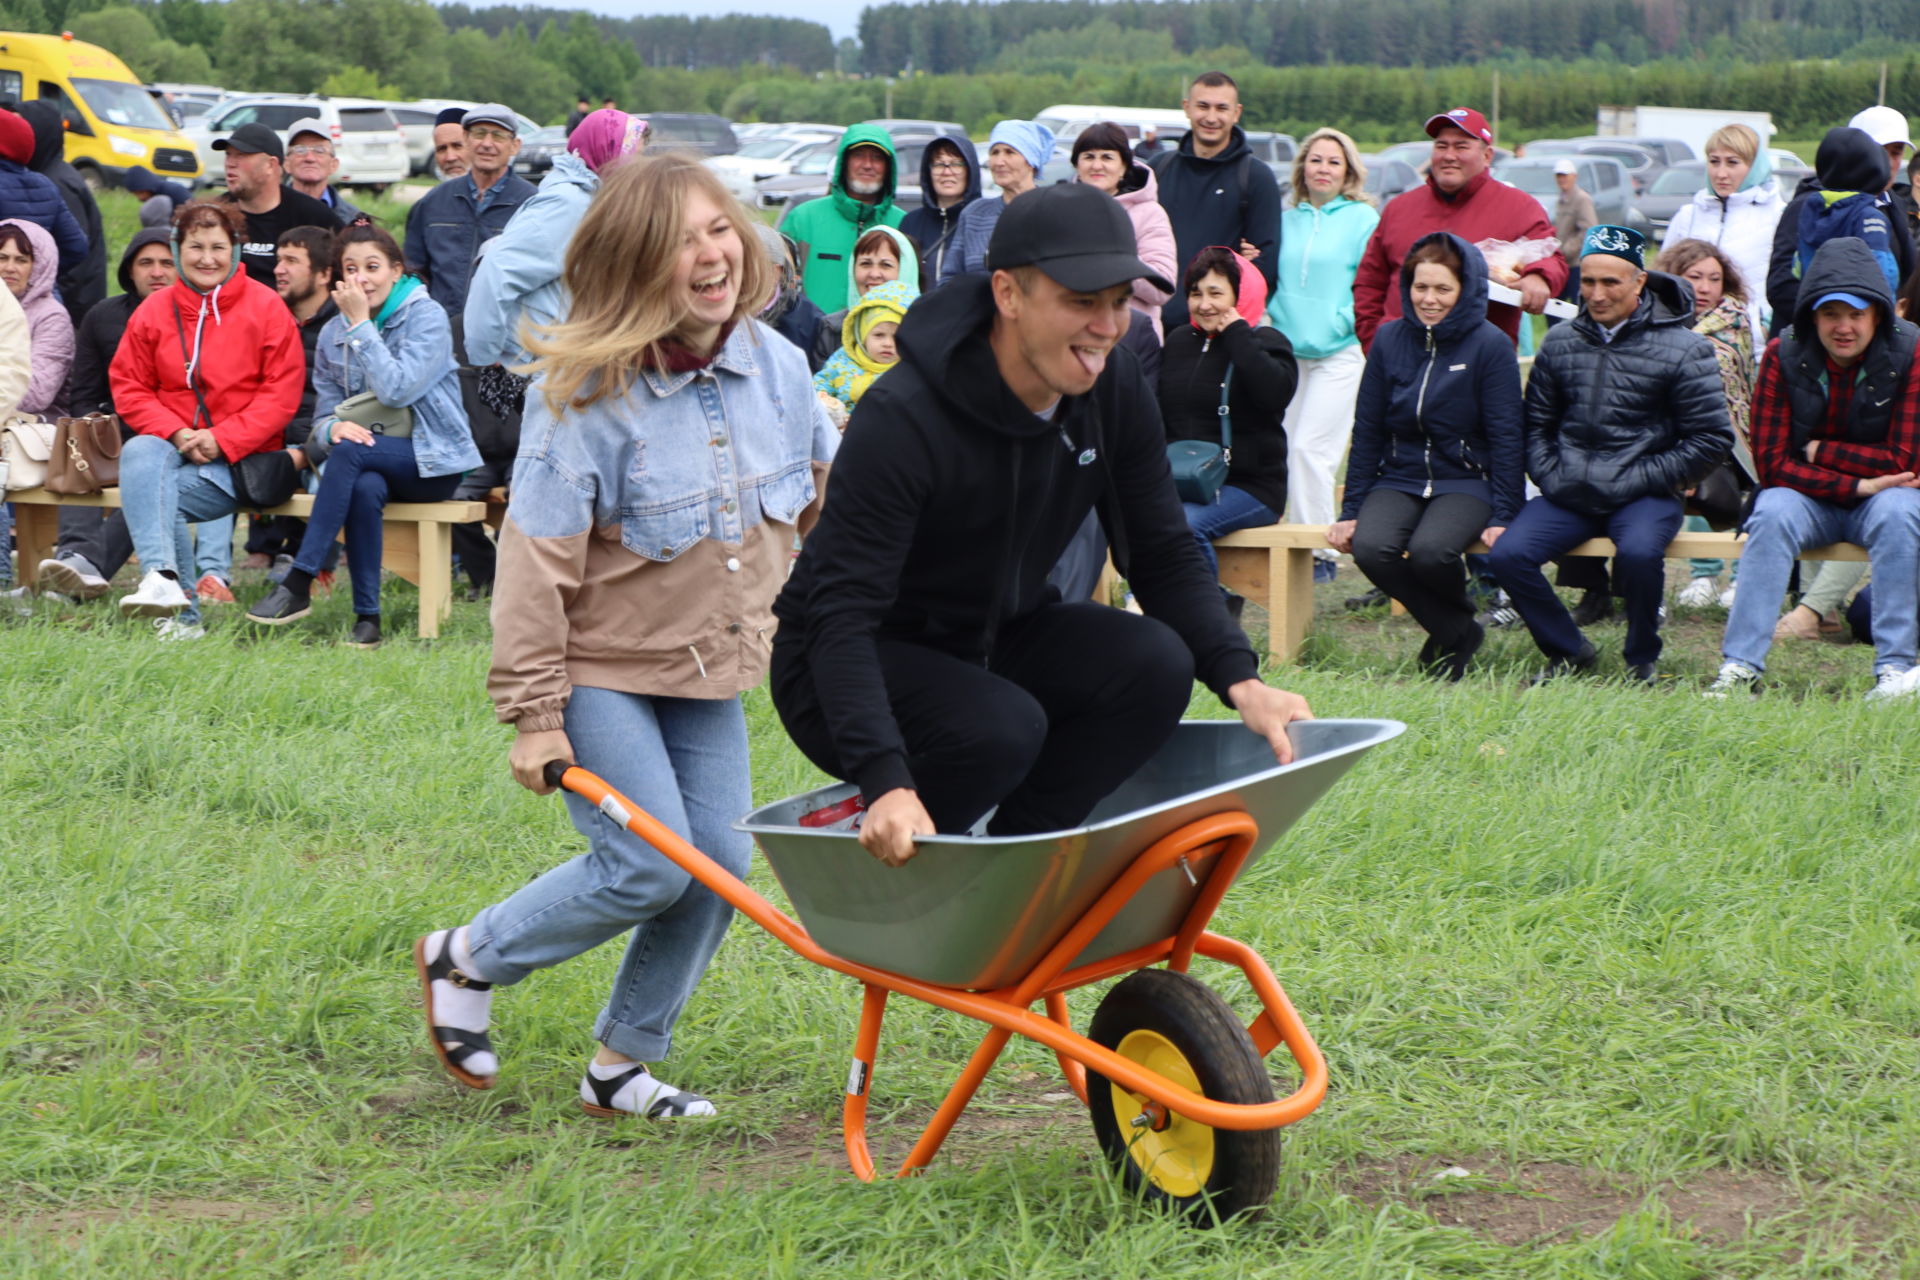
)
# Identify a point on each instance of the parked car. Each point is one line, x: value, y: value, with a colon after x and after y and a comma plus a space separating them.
x: 366, y: 137
x: 537, y: 150
x: 416, y: 125
x: 1602, y: 177
x: 1419, y: 154
x: 1273, y: 148
x: 767, y: 156
x: 708, y: 135
x: 1389, y: 176
x: 918, y: 128
x: 1639, y: 162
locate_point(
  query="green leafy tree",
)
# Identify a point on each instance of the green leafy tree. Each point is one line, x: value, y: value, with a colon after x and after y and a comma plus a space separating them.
x: 357, y: 82
x: 131, y: 34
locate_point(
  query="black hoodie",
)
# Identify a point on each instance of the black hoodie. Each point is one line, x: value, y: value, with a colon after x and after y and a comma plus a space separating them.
x: 98, y: 335
x: 1844, y: 265
x: 1841, y: 164
x: 932, y: 227
x: 951, y: 502
x: 1218, y: 200
x: 86, y: 284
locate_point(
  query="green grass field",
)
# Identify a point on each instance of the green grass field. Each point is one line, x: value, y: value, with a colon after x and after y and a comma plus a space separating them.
x: 1646, y: 968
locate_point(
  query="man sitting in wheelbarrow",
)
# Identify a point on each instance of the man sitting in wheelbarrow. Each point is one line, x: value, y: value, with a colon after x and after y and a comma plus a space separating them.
x: 921, y: 653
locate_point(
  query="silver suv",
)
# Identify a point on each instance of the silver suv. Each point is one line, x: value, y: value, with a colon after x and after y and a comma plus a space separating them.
x: 366, y: 137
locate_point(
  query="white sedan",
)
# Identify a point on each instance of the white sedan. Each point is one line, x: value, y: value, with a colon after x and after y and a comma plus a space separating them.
x: 761, y: 158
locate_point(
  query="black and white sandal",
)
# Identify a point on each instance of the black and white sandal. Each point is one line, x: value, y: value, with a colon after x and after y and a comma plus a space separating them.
x: 645, y: 1095
x: 454, y: 1046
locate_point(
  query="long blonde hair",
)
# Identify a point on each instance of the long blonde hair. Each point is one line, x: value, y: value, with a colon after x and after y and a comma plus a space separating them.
x: 1355, y: 185
x: 620, y: 270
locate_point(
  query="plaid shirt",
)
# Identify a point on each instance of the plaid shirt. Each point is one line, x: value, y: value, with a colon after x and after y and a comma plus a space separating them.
x: 1841, y: 464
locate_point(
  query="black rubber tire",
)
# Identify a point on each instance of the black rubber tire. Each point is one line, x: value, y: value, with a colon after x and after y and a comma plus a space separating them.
x: 1196, y: 1021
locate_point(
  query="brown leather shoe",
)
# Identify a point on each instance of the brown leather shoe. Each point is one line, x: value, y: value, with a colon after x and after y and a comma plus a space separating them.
x: 1799, y: 623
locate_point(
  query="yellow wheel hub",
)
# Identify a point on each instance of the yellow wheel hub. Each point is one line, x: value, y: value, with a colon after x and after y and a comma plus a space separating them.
x: 1175, y: 1153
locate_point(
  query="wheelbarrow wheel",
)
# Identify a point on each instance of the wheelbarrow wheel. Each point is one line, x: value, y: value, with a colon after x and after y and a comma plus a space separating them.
x: 1174, y: 1025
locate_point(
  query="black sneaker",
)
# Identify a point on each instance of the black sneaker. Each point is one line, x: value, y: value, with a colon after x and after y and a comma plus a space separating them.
x: 1643, y: 673
x: 1457, y: 660
x: 1560, y: 668
x: 1373, y: 599
x: 279, y: 608
x: 365, y: 634
x: 1236, y: 605
x: 1595, y: 606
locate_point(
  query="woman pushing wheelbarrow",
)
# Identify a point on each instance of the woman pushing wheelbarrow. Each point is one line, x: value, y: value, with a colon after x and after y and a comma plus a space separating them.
x: 920, y: 654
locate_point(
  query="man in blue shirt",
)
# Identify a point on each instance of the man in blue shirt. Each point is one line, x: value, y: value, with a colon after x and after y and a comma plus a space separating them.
x: 446, y: 228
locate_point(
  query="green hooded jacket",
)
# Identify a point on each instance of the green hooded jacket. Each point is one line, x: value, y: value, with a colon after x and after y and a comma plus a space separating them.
x: 828, y: 228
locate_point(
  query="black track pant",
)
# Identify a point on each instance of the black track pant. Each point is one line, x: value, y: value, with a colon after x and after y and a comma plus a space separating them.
x: 1414, y: 550
x: 1076, y: 699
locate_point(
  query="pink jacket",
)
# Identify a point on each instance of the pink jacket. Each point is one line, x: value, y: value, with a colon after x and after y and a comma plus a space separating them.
x: 50, y: 325
x: 1154, y: 234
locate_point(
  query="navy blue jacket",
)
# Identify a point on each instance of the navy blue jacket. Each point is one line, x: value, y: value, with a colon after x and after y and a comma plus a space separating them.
x: 445, y: 231
x: 86, y: 285
x: 1439, y: 408
x: 932, y: 227
x: 141, y: 178
x: 32, y: 197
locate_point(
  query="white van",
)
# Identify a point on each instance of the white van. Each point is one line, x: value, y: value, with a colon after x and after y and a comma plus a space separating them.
x: 366, y: 137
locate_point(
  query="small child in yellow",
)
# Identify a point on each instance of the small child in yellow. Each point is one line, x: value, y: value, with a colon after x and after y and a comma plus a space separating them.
x: 868, y: 348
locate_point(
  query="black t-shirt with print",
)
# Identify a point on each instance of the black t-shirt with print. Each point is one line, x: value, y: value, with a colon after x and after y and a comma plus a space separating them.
x: 295, y: 209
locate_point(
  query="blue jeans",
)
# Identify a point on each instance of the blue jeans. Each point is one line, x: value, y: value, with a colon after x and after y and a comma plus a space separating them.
x: 1786, y: 522
x: 355, y: 486
x: 161, y: 494
x: 1234, y: 509
x: 684, y: 760
x: 1543, y: 531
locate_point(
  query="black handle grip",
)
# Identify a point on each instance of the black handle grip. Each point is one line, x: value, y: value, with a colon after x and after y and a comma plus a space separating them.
x: 555, y: 770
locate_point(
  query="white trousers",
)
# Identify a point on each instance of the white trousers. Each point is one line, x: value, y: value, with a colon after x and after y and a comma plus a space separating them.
x: 1319, y: 428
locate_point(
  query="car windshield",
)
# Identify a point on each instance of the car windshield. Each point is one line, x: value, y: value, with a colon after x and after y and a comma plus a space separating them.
x: 366, y: 120
x: 117, y: 102
x: 1551, y: 148
x: 1534, y: 179
x: 819, y: 160
x: 765, y: 148
x: 1683, y: 181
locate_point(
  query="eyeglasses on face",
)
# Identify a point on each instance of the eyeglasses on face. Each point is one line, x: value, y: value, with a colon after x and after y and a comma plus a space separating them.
x: 309, y: 151
x: 949, y: 166
x: 489, y: 135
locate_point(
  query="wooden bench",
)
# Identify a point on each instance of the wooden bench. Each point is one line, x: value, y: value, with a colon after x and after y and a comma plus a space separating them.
x: 1273, y: 566
x: 418, y: 543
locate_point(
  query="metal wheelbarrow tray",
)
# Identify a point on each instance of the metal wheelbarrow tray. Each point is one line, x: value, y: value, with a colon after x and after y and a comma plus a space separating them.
x: 988, y: 927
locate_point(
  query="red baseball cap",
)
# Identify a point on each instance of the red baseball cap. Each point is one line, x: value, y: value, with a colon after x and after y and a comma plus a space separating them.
x: 1465, y: 119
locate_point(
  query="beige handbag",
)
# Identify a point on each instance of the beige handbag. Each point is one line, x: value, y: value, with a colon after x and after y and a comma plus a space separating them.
x: 25, y: 446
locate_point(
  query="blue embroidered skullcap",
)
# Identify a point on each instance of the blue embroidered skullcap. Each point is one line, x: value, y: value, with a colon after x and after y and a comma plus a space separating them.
x: 1617, y: 242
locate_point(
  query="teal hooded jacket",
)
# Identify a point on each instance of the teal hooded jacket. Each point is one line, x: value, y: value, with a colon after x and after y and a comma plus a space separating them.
x: 827, y: 229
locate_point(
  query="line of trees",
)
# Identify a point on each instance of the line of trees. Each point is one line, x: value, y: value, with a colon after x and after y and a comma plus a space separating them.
x: 953, y: 36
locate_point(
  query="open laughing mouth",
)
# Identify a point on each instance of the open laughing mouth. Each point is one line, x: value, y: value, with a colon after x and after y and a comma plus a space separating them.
x: 713, y: 288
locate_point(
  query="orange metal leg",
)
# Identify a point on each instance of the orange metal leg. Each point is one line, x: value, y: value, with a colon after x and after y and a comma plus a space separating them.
x: 956, y: 1100
x: 853, y: 1112
x: 1075, y: 1073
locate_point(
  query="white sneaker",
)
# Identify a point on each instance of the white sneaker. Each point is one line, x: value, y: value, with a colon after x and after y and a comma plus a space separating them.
x: 1698, y: 594
x: 1892, y: 684
x: 158, y: 597
x: 72, y: 576
x: 1726, y: 598
x: 170, y: 629
x: 1734, y: 677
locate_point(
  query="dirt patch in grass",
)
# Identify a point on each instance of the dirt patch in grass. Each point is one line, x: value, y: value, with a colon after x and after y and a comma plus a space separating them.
x: 71, y: 1225
x: 1529, y: 1203
x: 1044, y: 1112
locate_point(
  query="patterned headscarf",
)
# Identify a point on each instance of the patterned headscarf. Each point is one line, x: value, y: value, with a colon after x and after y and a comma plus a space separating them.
x: 607, y: 135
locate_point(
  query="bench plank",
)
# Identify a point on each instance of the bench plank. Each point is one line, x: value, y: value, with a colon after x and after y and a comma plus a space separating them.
x: 417, y: 540
x: 1273, y: 565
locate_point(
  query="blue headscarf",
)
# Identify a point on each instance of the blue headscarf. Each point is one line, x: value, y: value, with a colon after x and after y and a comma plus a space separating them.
x: 1033, y: 141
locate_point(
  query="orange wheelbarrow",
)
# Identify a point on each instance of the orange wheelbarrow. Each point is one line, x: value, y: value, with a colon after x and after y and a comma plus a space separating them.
x: 989, y: 927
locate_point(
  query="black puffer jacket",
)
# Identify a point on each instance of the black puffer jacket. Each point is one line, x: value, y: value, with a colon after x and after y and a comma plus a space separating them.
x: 86, y: 284
x: 1642, y: 416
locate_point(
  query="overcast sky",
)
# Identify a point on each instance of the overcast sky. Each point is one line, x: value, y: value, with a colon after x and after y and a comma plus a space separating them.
x: 843, y: 16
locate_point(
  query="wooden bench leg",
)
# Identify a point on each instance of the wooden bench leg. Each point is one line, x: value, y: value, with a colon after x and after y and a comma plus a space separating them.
x: 36, y: 528
x: 436, y: 577
x: 1290, y: 601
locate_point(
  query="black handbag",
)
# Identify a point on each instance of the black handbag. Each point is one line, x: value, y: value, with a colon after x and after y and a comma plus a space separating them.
x: 1199, y: 466
x: 1721, y: 498
x: 260, y: 480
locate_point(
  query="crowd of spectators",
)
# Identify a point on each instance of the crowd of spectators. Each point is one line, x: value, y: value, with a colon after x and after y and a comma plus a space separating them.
x: 1294, y: 330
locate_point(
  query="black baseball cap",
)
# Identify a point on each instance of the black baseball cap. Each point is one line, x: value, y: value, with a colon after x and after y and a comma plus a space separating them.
x: 253, y: 138
x: 1077, y: 235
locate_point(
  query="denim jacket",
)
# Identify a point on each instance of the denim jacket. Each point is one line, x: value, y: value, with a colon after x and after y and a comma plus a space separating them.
x: 520, y: 274
x: 447, y: 226
x: 408, y: 364
x: 648, y: 533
